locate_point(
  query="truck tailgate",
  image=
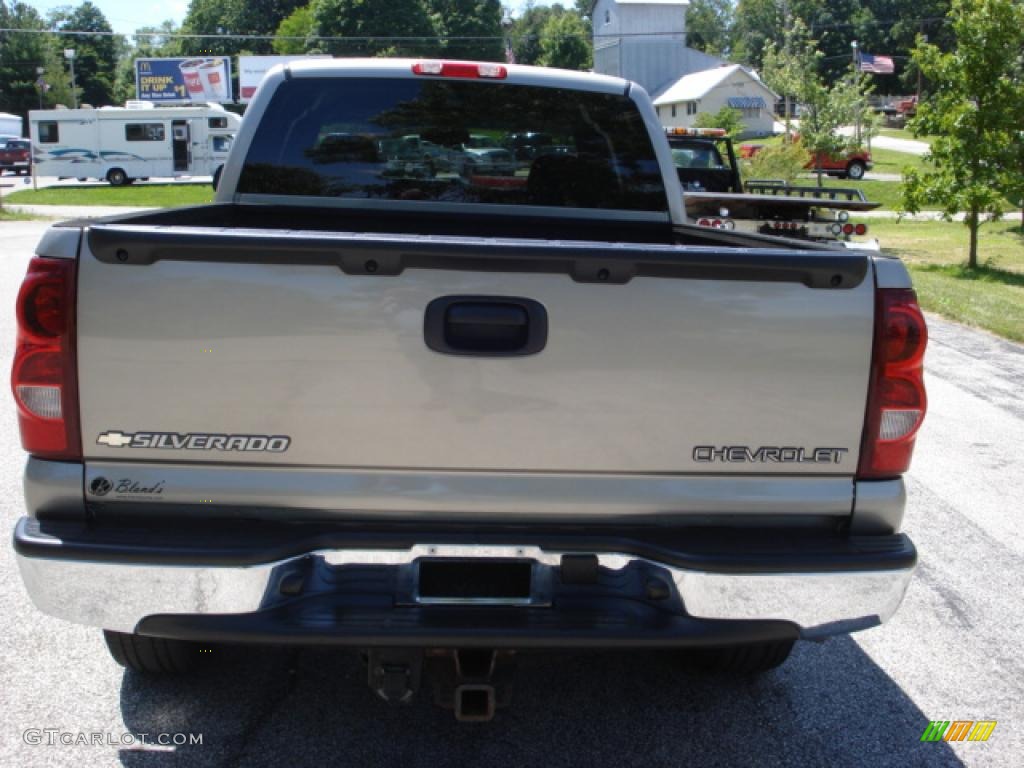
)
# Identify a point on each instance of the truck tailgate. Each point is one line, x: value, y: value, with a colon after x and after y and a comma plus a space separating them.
x: 711, y: 369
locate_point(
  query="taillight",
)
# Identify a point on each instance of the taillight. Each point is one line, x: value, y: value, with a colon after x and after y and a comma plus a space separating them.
x: 860, y: 229
x: 467, y: 69
x: 44, y: 376
x: 896, y: 399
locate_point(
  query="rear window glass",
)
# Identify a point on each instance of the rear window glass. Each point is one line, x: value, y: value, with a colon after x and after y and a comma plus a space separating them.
x: 696, y: 156
x: 453, y: 141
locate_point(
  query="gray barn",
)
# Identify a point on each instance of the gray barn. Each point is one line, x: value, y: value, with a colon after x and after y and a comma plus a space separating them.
x: 645, y: 41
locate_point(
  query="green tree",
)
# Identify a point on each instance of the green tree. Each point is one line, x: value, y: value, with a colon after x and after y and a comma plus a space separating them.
x: 147, y: 42
x: 793, y: 70
x: 479, y: 19
x: 1013, y: 181
x: 758, y: 22
x: 584, y: 9
x: 790, y: 66
x: 727, y: 118
x: 784, y: 162
x: 708, y: 25
x: 21, y: 53
x: 565, y: 42
x: 526, y: 29
x: 391, y: 22
x: 299, y: 26
x: 56, y: 76
x: 95, y: 56
x: 234, y: 17
x: 826, y: 109
x: 973, y: 108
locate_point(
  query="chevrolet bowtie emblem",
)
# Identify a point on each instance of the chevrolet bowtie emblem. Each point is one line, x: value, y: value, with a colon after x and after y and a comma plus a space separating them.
x: 114, y: 439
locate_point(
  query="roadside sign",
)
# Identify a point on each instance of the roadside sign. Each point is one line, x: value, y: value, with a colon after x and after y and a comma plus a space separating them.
x: 251, y: 70
x: 194, y: 80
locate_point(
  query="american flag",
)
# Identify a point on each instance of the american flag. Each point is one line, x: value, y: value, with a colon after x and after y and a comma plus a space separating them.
x: 878, y: 65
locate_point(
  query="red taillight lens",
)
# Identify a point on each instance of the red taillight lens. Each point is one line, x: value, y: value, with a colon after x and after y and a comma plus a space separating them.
x: 896, y: 400
x: 848, y: 229
x: 44, y: 376
x: 860, y: 229
x: 467, y: 69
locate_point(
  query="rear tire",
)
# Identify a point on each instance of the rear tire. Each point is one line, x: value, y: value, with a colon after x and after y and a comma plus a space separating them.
x: 151, y: 655
x: 117, y: 177
x: 750, y: 659
x: 856, y: 170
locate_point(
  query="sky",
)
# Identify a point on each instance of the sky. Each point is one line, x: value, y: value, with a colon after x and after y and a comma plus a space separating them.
x: 125, y: 16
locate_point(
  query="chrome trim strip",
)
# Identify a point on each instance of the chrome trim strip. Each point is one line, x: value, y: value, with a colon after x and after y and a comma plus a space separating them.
x: 878, y: 507
x: 271, y: 492
x: 118, y: 596
x: 54, y: 488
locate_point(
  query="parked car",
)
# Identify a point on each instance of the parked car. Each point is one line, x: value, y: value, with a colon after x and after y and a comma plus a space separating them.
x: 852, y: 164
x: 15, y: 155
x: 484, y: 156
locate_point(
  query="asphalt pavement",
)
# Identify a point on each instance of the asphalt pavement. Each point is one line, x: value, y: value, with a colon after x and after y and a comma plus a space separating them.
x: 951, y: 653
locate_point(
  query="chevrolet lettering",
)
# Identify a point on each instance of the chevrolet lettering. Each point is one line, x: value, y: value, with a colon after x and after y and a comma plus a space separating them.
x: 706, y: 454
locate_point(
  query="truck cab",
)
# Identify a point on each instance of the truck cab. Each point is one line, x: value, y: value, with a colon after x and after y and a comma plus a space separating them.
x: 704, y: 159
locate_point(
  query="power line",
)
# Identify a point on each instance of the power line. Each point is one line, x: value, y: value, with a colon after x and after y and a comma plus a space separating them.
x: 407, y: 38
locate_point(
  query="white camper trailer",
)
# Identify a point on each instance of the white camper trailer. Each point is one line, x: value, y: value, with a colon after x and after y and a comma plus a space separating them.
x: 122, y: 144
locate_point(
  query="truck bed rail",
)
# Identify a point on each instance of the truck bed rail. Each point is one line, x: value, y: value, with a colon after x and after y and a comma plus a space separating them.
x: 778, y: 187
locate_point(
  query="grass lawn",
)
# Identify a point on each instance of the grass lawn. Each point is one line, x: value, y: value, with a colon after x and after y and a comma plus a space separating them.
x: 891, y: 161
x: 137, y: 195
x: 885, y: 192
x: 990, y: 297
x: 7, y: 215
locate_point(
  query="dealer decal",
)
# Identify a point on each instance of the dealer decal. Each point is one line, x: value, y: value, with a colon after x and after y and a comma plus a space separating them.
x: 195, y: 441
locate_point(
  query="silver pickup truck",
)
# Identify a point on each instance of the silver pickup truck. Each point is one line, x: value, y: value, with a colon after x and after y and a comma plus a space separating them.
x: 439, y: 417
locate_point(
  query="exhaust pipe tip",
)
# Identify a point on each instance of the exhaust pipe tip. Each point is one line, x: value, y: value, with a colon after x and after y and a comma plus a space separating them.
x: 474, y: 703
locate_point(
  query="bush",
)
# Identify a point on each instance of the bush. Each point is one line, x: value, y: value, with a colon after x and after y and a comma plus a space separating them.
x: 727, y: 118
x: 782, y: 161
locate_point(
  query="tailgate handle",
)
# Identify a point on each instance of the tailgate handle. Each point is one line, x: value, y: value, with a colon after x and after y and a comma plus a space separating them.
x: 485, y: 326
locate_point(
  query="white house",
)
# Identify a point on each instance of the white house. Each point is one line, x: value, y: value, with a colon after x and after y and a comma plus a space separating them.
x: 645, y: 41
x: 708, y: 91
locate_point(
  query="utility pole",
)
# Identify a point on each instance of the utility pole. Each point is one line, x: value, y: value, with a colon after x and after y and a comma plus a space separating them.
x: 856, y: 69
x: 69, y: 54
x: 40, y: 84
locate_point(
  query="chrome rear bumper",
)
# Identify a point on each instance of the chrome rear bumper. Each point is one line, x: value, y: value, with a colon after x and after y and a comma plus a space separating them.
x: 113, y: 587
